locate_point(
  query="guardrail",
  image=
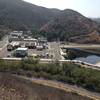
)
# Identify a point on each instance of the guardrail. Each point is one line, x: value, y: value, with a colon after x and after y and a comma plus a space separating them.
x: 87, y: 65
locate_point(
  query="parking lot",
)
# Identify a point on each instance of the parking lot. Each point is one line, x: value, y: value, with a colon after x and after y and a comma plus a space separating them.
x: 45, y: 53
x: 51, y: 52
x: 31, y: 52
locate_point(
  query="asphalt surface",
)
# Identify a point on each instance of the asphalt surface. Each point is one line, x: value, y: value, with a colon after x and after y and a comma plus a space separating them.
x: 5, y: 53
x: 81, y: 46
x: 4, y: 41
x: 55, y: 50
x: 3, y: 47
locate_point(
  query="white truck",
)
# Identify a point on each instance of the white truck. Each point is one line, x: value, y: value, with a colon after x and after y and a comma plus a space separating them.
x: 13, y: 45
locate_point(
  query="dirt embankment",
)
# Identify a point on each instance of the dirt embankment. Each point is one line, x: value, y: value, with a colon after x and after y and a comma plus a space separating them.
x: 14, y: 88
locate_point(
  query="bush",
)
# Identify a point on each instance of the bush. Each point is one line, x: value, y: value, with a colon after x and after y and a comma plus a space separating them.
x: 67, y: 73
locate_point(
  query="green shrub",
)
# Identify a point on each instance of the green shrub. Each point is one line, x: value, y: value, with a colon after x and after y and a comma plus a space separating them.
x: 67, y: 73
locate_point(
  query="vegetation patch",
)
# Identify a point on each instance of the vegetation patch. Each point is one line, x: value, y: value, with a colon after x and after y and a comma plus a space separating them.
x: 67, y: 73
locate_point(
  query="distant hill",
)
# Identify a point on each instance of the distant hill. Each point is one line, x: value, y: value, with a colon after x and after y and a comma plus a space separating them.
x: 52, y: 23
x: 68, y: 24
x: 17, y: 14
x: 96, y: 19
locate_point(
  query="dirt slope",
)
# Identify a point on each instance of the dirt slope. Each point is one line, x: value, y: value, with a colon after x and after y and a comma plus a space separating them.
x: 13, y: 88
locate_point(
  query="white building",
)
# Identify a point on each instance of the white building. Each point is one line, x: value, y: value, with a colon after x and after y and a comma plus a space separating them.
x: 39, y: 47
x: 30, y: 42
x: 15, y: 36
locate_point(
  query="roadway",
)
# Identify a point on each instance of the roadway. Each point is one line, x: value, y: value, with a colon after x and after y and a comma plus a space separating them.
x: 55, y: 50
x: 4, y: 41
x: 3, y: 47
x: 81, y: 46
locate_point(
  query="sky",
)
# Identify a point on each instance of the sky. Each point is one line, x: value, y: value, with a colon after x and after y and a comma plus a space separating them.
x: 89, y: 8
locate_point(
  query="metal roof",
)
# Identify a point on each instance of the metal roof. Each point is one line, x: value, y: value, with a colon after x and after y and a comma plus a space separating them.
x: 30, y: 39
x: 22, y: 49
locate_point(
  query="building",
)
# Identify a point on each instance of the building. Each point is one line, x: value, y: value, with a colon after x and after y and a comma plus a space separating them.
x: 16, y: 33
x: 42, y: 40
x: 21, y: 52
x: 30, y: 40
x: 15, y: 36
x: 39, y: 47
x: 30, y: 43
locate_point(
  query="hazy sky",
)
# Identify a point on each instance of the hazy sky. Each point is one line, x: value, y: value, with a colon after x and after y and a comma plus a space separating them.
x: 89, y: 8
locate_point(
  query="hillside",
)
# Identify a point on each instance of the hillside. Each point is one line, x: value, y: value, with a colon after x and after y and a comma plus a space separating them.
x: 17, y: 14
x: 52, y: 23
x: 14, y: 88
x: 68, y: 24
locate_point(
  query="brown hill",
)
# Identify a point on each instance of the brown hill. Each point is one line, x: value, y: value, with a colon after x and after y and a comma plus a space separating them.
x: 93, y: 37
x: 68, y: 24
x: 56, y: 24
x: 96, y: 19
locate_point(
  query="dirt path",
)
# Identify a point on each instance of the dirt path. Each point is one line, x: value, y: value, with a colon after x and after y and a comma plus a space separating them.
x: 13, y: 87
x: 66, y: 87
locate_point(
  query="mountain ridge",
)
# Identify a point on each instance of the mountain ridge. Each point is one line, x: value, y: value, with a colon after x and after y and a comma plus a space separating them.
x: 52, y: 23
x: 19, y: 12
x: 68, y: 24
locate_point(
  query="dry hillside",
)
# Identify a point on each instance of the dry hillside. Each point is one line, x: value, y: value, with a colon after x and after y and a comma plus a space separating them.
x: 13, y: 88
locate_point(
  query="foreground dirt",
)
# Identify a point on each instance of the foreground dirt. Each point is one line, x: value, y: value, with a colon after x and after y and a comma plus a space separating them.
x: 14, y: 88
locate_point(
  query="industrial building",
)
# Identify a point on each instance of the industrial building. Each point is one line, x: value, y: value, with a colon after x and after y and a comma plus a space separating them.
x: 30, y: 40
x: 30, y: 43
x: 16, y: 33
x: 15, y: 36
x: 42, y: 40
x: 39, y: 47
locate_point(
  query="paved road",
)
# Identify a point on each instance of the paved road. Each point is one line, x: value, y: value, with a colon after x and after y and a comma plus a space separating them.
x: 55, y: 49
x: 3, y: 47
x: 65, y: 87
x: 4, y: 41
x: 81, y: 46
